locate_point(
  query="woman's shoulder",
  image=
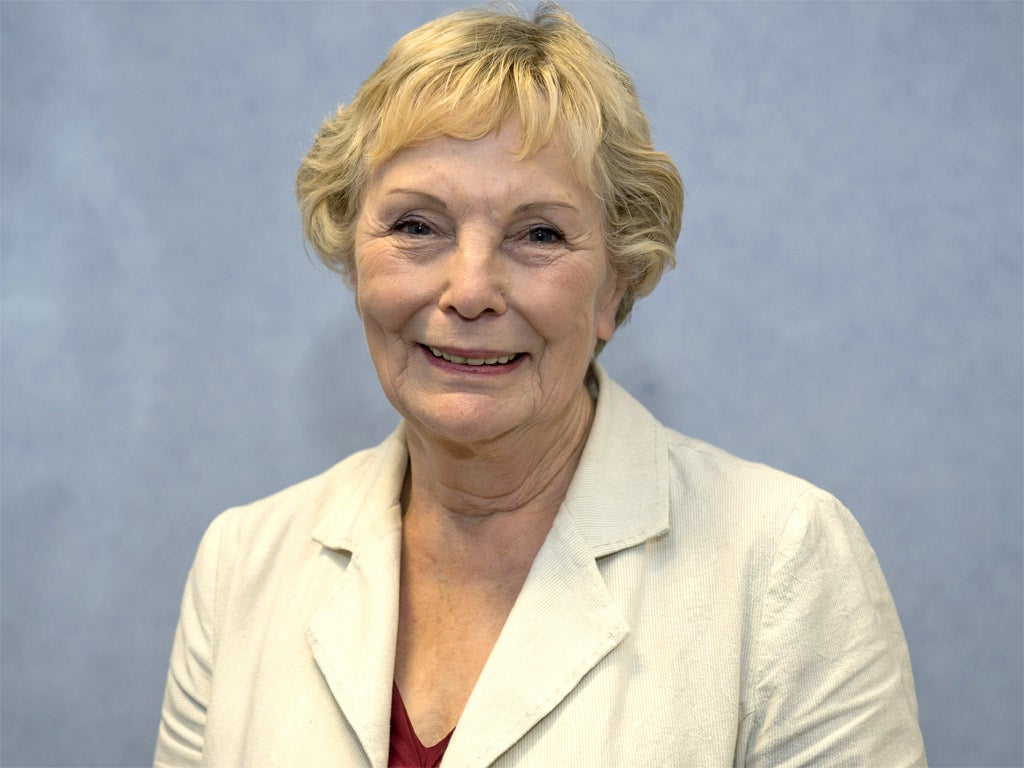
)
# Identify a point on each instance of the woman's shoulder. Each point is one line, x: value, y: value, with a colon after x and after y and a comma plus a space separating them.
x: 703, y: 481
x: 326, y: 504
x: 713, y: 489
x: 693, y: 491
x: 706, y: 467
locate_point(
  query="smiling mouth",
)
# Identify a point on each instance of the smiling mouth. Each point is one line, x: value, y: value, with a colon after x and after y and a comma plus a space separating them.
x: 503, y: 360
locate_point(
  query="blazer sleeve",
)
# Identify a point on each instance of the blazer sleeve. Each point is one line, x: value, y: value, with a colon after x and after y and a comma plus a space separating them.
x: 186, y: 698
x: 832, y: 683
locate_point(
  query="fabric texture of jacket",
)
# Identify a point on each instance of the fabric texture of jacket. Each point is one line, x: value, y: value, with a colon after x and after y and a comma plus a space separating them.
x: 687, y: 608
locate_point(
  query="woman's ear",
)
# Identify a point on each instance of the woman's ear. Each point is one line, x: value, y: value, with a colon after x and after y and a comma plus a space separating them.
x: 610, y: 308
x: 352, y: 280
x: 355, y: 297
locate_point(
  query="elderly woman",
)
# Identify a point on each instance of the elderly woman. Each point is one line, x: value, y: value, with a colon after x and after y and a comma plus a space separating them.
x: 531, y: 570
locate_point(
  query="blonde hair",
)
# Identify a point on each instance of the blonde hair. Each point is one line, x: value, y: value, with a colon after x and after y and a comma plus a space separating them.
x: 463, y: 75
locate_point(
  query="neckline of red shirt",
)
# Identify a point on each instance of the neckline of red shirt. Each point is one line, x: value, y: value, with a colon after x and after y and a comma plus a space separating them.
x: 406, y: 749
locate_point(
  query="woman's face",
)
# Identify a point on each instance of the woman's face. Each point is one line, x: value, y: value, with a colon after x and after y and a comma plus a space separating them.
x: 483, y: 284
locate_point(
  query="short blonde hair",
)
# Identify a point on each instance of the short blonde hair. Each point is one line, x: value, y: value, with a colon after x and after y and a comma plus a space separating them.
x: 463, y: 75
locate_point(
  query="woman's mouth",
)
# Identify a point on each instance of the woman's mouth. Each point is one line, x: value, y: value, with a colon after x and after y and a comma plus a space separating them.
x: 499, y: 360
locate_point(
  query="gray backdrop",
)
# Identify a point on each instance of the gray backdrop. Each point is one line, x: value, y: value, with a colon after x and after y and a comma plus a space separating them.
x: 847, y: 307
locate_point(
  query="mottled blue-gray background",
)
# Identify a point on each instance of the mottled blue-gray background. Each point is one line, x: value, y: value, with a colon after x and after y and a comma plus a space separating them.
x: 847, y: 307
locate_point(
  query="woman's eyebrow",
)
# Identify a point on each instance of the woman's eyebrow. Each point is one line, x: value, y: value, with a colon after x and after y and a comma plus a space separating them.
x: 433, y: 199
x: 438, y: 202
x: 528, y: 207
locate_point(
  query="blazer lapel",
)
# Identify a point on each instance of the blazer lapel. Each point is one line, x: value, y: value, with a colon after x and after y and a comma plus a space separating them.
x: 563, y: 623
x: 352, y: 633
x: 565, y: 619
x: 352, y: 636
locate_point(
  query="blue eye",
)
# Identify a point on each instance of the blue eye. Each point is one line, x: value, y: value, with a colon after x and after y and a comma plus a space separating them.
x: 412, y: 227
x: 544, y: 235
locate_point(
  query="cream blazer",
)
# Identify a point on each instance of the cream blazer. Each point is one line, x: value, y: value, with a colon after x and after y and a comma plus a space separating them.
x: 686, y: 609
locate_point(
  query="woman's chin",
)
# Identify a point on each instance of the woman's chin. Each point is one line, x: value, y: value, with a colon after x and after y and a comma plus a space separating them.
x: 465, y: 420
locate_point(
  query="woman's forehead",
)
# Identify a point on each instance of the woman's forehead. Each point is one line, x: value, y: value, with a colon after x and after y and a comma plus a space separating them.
x: 486, y: 168
x: 508, y: 144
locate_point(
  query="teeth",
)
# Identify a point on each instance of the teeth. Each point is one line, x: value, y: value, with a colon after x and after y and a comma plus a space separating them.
x: 471, y: 360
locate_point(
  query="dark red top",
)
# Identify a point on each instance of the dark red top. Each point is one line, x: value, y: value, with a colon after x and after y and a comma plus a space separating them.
x: 407, y: 751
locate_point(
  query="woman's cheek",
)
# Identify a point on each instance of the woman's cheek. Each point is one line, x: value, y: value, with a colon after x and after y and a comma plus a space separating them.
x: 390, y: 299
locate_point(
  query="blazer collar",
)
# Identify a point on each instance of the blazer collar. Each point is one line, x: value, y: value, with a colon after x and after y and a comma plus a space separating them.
x: 362, y: 494
x: 619, y: 494
x: 617, y: 499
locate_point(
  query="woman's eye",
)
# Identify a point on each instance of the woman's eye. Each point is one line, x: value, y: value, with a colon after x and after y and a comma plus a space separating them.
x: 412, y: 227
x: 544, y: 235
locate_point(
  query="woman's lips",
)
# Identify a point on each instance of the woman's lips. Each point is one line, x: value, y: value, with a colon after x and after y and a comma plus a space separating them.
x: 474, y: 358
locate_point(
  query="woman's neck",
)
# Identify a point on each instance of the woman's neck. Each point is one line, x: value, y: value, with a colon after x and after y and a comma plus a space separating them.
x: 489, y: 502
x: 509, y: 473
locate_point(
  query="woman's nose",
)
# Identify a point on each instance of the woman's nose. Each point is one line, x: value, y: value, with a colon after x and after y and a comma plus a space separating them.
x: 475, y: 279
